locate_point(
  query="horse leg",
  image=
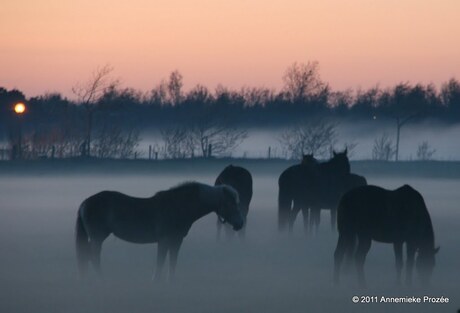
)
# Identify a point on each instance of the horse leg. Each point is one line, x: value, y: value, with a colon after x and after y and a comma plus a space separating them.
x: 342, y: 246
x: 363, y: 248
x: 312, y: 219
x: 410, y: 249
x: 229, y: 232
x: 333, y: 218
x: 293, y: 215
x: 161, y: 258
x: 316, y: 219
x: 397, y: 247
x: 305, y: 214
x: 219, y: 229
x: 284, y: 208
x: 96, y: 248
x: 242, y: 231
x: 174, y: 247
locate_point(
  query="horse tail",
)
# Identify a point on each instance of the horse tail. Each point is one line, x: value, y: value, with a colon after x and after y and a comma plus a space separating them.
x: 346, y: 230
x: 82, y: 245
x: 284, y: 206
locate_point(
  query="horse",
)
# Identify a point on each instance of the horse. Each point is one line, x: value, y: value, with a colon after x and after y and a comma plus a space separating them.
x: 316, y: 187
x: 294, y: 187
x: 330, y: 183
x: 241, y: 180
x: 343, y: 185
x: 164, y: 218
x: 397, y: 216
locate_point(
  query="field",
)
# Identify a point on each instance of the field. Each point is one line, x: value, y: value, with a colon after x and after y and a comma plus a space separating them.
x: 265, y: 272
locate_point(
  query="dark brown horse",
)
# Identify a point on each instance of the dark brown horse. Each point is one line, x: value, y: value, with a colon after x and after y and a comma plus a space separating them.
x: 393, y: 216
x: 296, y: 189
x: 312, y: 186
x: 241, y: 180
x: 337, y: 187
x: 164, y: 218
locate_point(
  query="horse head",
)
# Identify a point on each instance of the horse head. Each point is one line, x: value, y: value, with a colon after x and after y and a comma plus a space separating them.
x: 341, y: 162
x: 308, y: 159
x: 229, y: 208
x: 425, y: 263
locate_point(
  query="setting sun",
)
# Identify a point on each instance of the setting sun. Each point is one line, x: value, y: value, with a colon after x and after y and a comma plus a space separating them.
x: 19, y: 108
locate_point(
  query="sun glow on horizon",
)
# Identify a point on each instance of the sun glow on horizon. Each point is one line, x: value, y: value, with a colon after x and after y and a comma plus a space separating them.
x: 20, y: 108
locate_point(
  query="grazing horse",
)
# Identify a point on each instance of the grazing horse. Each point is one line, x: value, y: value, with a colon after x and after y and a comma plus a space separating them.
x: 241, y: 180
x: 393, y: 216
x: 343, y: 185
x: 164, y: 218
x: 295, y: 189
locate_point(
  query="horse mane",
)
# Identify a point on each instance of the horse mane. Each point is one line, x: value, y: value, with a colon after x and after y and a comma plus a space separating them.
x: 309, y: 159
x: 192, y: 188
x: 179, y: 188
x: 232, y: 191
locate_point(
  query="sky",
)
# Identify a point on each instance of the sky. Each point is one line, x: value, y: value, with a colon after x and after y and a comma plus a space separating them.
x: 51, y: 45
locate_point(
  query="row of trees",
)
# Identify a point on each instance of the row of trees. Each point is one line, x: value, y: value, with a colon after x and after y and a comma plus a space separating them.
x: 105, y: 120
x: 304, y: 94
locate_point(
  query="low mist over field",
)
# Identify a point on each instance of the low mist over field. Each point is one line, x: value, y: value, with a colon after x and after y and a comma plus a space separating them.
x: 266, y: 272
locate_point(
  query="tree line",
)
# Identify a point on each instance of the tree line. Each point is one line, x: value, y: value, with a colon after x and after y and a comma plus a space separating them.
x: 104, y: 119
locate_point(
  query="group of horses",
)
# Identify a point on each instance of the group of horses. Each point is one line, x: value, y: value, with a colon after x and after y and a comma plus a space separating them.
x: 311, y: 186
x: 363, y: 213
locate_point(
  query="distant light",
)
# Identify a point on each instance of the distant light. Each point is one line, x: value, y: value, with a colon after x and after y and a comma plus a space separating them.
x: 374, y: 117
x: 19, y: 108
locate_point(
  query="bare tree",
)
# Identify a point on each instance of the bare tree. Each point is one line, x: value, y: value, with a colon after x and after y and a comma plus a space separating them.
x: 208, y: 137
x: 174, y: 139
x: 112, y: 141
x: 383, y: 149
x: 216, y: 138
x: 315, y: 137
x: 302, y: 81
x: 175, y: 87
x: 350, y: 147
x: 424, y: 151
x: 89, y: 93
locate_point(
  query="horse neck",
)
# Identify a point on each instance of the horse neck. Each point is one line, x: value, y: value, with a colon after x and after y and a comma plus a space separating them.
x: 208, y: 200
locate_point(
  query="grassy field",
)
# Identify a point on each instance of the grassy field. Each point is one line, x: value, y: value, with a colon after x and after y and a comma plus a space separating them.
x: 267, y: 272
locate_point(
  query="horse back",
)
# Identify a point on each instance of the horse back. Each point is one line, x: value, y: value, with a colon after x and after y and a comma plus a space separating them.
x: 129, y: 218
x: 240, y: 179
x: 376, y: 212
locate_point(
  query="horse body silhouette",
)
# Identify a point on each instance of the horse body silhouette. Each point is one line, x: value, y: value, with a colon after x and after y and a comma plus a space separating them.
x: 296, y: 188
x: 241, y: 180
x: 310, y: 186
x: 164, y: 218
x: 334, y: 187
x: 393, y: 216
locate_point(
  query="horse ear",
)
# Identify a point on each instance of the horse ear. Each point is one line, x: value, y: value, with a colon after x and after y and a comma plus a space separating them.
x: 436, y: 250
x: 346, y: 151
x: 334, y: 153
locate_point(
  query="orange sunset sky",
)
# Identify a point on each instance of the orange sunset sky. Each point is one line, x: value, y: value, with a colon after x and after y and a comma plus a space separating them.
x: 50, y: 45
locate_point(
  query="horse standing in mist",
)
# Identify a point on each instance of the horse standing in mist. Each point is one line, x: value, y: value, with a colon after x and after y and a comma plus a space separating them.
x: 241, y: 180
x: 296, y: 191
x: 393, y: 216
x: 164, y: 218
x: 335, y: 187
x: 311, y: 186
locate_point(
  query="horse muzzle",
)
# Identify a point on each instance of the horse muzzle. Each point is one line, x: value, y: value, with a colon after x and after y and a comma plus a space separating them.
x: 238, y: 223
